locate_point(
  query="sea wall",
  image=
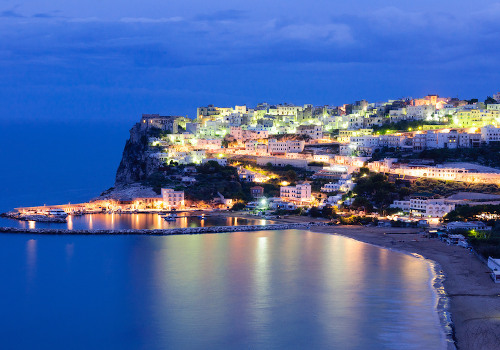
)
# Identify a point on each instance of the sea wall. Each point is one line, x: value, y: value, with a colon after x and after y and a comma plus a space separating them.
x: 160, y: 232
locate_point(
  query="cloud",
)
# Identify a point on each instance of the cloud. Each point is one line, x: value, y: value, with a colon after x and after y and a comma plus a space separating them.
x: 151, y: 20
x: 388, y: 35
x: 10, y: 14
x: 224, y: 15
x: 44, y: 15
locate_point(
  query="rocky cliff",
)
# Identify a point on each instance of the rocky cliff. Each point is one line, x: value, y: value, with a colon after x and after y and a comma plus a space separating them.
x: 136, y: 164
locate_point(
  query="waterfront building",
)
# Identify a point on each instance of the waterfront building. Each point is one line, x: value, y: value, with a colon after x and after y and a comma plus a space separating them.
x: 172, y: 199
x: 422, y: 205
x: 299, y: 194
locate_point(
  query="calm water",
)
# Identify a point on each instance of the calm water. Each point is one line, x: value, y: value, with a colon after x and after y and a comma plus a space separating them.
x: 134, y: 221
x: 270, y: 289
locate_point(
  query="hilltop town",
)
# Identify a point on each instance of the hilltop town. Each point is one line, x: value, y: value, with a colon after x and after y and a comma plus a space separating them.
x: 404, y: 162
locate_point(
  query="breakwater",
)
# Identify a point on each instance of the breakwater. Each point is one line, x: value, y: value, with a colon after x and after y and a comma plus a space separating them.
x: 161, y: 232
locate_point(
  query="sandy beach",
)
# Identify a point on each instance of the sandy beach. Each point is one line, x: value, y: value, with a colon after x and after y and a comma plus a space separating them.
x: 474, y: 298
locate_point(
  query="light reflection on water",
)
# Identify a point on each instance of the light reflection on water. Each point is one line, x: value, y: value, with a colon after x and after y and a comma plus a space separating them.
x: 134, y: 221
x: 270, y: 289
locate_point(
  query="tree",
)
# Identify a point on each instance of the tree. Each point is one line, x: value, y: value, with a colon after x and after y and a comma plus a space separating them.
x: 362, y: 203
x: 364, y: 171
x: 490, y: 100
x: 315, y: 212
x: 238, y: 206
x: 291, y: 175
x: 328, y: 212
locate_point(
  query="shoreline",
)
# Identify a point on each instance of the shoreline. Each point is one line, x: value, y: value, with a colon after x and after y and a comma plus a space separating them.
x: 460, y: 281
x: 473, y: 298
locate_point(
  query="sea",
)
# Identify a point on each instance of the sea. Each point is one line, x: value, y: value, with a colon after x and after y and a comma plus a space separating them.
x: 136, y: 221
x: 290, y: 289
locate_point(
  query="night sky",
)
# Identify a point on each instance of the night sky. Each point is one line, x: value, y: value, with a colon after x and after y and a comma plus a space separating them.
x: 75, y: 76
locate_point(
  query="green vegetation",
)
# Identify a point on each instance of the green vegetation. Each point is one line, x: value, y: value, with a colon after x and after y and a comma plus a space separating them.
x: 403, y: 125
x: 157, y: 132
x: 486, y: 243
x: 468, y: 213
x: 327, y: 212
x: 357, y: 220
x: 490, y: 100
x: 316, y: 164
x: 373, y: 190
x: 447, y: 188
x: 488, y: 155
x: 238, y: 206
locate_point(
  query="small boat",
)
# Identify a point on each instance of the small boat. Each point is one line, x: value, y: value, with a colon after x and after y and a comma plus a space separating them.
x: 57, y: 213
x: 170, y: 217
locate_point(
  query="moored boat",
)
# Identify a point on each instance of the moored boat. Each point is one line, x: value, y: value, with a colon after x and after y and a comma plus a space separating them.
x: 57, y: 213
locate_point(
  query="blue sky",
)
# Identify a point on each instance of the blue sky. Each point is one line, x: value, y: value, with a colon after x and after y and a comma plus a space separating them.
x: 115, y: 60
x: 89, y: 69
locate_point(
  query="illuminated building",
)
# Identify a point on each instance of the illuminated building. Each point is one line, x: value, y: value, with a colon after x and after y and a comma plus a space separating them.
x: 298, y: 194
x: 172, y: 199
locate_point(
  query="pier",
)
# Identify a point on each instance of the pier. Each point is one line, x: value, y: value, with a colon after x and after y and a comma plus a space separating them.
x: 162, y: 232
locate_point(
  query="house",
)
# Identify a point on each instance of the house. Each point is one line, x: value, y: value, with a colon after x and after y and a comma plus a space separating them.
x: 281, y: 205
x: 420, y: 204
x: 467, y: 225
x: 257, y: 191
x: 220, y: 161
x: 299, y: 194
x: 494, y: 265
x: 172, y: 199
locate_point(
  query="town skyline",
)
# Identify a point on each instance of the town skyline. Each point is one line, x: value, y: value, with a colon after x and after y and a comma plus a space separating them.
x: 83, y: 62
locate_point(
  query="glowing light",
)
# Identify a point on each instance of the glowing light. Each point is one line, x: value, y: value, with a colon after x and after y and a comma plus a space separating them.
x: 284, y: 183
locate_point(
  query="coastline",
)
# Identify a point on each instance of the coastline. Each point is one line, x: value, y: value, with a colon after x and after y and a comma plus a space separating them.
x: 460, y: 280
x: 473, y: 298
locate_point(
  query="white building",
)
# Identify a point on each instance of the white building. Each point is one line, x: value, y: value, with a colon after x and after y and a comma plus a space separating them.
x: 220, y: 161
x: 490, y: 134
x: 172, y: 199
x: 421, y: 112
x: 209, y: 144
x: 344, y: 184
x: 282, y: 147
x: 467, y: 225
x: 244, y: 134
x: 299, y: 194
x: 428, y: 207
x: 315, y: 132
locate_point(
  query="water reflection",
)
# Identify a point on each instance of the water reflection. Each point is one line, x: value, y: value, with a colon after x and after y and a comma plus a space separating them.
x: 31, y: 260
x: 136, y: 221
x: 269, y: 289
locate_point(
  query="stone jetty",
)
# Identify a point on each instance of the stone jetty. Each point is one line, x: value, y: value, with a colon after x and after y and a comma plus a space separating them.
x: 162, y: 232
x: 34, y: 217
